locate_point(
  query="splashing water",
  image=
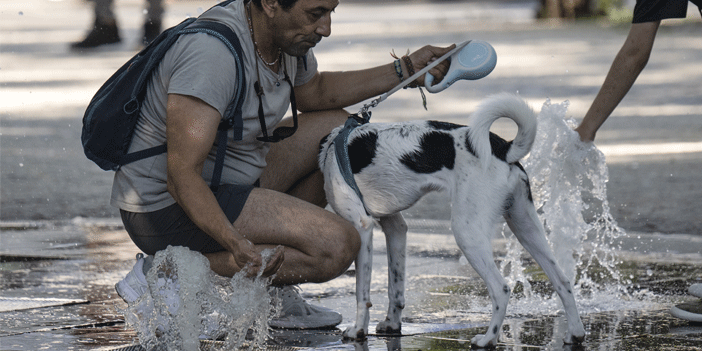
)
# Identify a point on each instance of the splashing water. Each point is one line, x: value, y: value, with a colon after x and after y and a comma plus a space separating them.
x: 569, y: 184
x: 188, y: 302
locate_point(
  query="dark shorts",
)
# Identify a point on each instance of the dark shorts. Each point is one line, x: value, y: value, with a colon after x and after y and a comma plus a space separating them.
x: 656, y: 10
x: 154, y: 231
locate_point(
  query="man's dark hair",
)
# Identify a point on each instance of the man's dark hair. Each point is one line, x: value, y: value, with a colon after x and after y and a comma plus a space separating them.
x: 284, y: 4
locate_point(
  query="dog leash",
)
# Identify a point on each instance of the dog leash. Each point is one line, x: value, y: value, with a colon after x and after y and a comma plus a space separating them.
x: 363, y: 116
x: 409, y: 80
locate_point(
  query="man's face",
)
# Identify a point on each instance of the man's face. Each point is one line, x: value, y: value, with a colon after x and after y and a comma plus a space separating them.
x: 301, y: 27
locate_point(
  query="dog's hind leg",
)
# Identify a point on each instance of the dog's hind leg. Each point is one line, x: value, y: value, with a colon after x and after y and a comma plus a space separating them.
x: 473, y: 237
x: 395, y: 229
x: 525, y: 224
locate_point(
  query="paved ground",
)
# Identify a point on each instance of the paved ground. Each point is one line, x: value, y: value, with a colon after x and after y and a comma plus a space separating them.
x: 53, y: 256
x: 45, y: 88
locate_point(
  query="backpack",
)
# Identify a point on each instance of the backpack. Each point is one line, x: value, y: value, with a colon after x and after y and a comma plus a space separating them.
x: 112, y: 114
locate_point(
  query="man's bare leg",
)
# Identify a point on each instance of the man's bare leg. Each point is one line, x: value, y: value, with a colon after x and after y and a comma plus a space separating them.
x: 287, y: 210
x: 293, y: 162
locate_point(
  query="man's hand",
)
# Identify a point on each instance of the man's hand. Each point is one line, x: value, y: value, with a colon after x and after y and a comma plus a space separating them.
x: 251, y: 261
x: 426, y: 55
x: 586, y: 136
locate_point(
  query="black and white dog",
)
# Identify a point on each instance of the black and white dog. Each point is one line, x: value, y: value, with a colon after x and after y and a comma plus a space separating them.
x: 395, y: 164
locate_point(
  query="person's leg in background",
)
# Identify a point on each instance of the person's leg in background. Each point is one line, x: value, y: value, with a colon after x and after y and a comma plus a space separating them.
x: 153, y: 21
x: 105, y: 29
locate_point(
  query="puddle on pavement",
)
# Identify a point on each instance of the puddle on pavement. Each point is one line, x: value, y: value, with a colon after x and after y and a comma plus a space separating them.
x: 620, y: 330
x: 648, y: 327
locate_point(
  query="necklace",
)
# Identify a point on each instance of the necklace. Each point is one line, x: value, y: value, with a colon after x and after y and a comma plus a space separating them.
x: 269, y: 64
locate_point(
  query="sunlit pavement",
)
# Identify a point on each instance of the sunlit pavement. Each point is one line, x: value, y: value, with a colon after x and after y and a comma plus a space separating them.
x: 62, y: 248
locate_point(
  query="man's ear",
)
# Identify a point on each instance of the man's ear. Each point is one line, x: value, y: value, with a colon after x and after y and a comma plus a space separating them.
x: 270, y: 7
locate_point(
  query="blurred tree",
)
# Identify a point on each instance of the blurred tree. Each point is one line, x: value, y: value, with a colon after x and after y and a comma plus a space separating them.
x: 576, y: 8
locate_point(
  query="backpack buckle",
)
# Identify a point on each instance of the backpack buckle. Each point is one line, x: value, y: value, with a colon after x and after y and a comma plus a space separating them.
x: 131, y: 106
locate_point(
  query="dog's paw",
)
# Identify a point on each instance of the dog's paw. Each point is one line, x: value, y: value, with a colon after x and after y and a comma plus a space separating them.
x: 354, y: 333
x: 482, y: 341
x: 574, y: 339
x: 576, y: 333
x: 388, y: 328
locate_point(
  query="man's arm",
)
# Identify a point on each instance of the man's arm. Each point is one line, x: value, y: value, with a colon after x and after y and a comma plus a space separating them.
x: 333, y: 90
x: 627, y: 66
x: 191, y: 131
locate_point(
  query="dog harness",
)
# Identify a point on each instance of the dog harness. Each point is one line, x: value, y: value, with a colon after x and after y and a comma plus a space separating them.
x: 342, y: 150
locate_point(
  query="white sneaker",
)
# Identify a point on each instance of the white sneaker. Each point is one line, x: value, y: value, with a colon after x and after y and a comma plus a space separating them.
x: 689, y: 311
x: 168, y: 288
x: 695, y: 290
x: 134, y: 284
x: 298, y: 314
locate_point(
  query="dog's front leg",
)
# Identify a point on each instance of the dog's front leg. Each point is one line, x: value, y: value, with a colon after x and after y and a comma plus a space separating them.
x: 395, y: 229
x: 364, y: 266
x: 347, y: 205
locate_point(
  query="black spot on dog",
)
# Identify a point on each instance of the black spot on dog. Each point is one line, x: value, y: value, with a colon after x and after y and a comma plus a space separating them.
x: 362, y: 151
x: 528, y: 187
x: 499, y: 146
x: 436, y: 151
x: 494, y: 330
x: 505, y: 289
x: 509, y: 201
x: 444, y: 125
x: 526, y: 181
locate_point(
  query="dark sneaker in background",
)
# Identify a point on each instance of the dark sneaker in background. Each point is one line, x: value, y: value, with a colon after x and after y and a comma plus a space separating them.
x: 101, y: 34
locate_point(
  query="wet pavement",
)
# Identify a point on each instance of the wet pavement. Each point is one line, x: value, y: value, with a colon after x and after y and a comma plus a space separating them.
x: 57, y: 294
x: 62, y: 248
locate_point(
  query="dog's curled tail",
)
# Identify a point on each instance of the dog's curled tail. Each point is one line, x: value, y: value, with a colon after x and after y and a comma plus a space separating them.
x: 502, y: 105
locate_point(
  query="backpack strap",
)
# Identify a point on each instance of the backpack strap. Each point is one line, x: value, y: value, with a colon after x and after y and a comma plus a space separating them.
x: 141, y: 154
x: 232, y: 118
x: 160, y: 45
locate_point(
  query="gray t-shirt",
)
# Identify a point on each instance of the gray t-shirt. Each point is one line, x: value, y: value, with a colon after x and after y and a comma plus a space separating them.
x: 201, y: 66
